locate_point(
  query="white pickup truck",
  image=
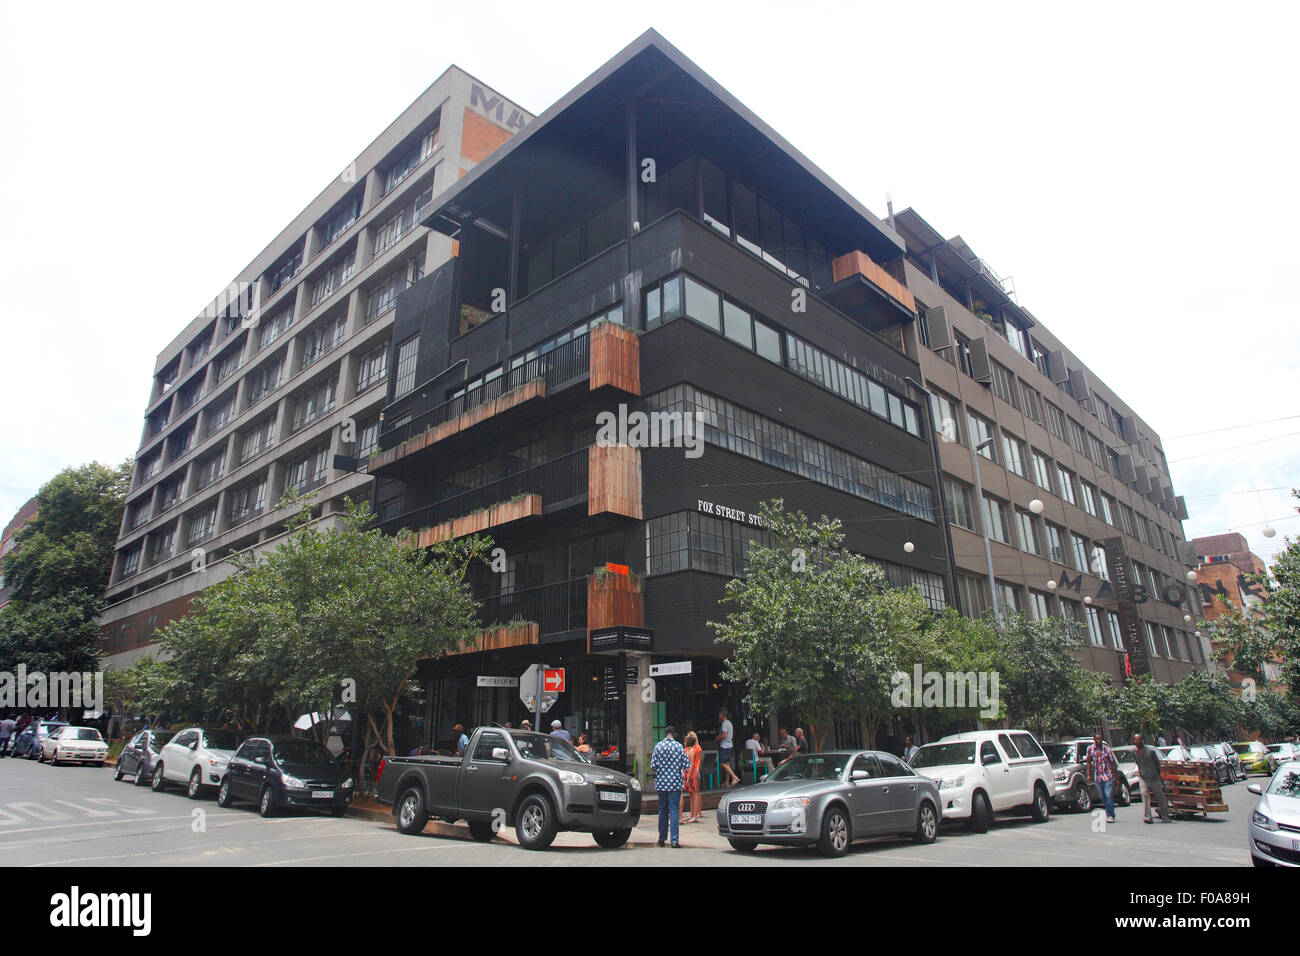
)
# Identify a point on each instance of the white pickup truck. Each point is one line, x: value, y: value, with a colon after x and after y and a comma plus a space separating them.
x: 987, y: 772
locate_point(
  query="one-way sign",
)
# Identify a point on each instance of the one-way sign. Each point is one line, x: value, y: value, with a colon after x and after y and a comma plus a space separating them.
x: 528, y: 682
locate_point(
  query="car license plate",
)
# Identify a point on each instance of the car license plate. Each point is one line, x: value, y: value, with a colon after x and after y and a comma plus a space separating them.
x: 746, y: 819
x: 322, y: 795
x: 613, y: 796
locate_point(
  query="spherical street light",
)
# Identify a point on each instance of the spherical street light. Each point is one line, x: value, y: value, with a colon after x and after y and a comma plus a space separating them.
x: 1036, y: 506
x: 1187, y: 618
x: 1087, y: 600
x: 1198, y: 633
x: 1269, y: 531
x: 1051, y: 585
x: 909, y: 547
x: 1191, y: 576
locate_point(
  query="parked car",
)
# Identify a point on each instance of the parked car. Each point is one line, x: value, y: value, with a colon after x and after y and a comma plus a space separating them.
x: 534, y: 782
x: 1234, y: 761
x: 196, y: 757
x: 1211, y: 755
x: 1174, y: 752
x: 1284, y: 753
x: 1275, y: 822
x: 1070, y: 776
x: 828, y: 800
x: 29, y: 741
x: 74, y: 745
x: 987, y: 772
x: 1126, y: 757
x: 138, y: 756
x: 1255, y: 757
x: 278, y: 774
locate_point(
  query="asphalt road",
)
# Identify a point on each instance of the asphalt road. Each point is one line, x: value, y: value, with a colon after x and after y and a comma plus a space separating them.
x: 78, y: 816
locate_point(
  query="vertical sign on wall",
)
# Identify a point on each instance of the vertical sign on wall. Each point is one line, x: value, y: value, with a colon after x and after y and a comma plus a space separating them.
x: 1130, y: 625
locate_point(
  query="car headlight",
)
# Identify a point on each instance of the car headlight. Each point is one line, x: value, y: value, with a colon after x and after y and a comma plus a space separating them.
x: 1060, y: 774
x: 1263, y: 821
x: 571, y: 778
x: 636, y: 784
x: 790, y: 803
x: 952, y: 783
x: 294, y: 783
x: 346, y: 784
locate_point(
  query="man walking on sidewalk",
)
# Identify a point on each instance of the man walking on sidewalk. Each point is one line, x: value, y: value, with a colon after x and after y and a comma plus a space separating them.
x: 1148, y: 762
x: 6, y: 731
x: 1101, y: 770
x: 669, y: 762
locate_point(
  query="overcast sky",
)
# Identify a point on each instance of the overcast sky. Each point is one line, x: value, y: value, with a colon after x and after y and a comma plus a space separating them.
x: 1131, y: 167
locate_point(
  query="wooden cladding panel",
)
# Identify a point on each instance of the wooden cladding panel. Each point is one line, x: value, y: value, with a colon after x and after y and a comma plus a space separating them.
x: 526, y: 507
x: 614, y: 480
x: 617, y: 599
x: 859, y: 263
x: 499, y: 638
x: 615, y: 358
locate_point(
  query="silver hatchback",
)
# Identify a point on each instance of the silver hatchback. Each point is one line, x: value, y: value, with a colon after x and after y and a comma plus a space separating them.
x: 831, y: 799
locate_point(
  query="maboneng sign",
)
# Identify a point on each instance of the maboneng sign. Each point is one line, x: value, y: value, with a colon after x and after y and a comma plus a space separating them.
x: 1130, y: 625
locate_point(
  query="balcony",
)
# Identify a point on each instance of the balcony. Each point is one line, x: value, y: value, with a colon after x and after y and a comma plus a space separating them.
x: 602, y: 599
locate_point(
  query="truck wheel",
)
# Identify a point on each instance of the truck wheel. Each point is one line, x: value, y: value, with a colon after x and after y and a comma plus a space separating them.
x: 481, y: 830
x: 981, y: 814
x: 611, y: 839
x: 535, y: 823
x: 743, y: 846
x: 927, y: 824
x: 410, y: 813
x: 1040, y: 810
x: 835, y: 838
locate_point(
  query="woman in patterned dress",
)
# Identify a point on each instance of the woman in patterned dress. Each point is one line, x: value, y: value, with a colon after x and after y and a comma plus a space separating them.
x: 696, y: 754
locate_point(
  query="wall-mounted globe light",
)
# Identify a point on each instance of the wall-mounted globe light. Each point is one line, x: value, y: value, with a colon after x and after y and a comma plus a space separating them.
x: 1036, y: 506
x: 909, y: 547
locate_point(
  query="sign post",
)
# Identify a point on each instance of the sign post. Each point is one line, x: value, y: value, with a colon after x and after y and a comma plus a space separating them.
x: 539, y: 688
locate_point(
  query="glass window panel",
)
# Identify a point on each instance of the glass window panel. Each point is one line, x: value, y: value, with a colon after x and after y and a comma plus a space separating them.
x: 737, y: 324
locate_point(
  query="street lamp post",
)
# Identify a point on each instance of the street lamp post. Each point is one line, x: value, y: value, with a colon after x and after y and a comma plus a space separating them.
x: 984, y: 524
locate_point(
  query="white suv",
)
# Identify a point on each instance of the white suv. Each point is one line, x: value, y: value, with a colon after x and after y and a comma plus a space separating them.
x: 987, y: 772
x: 196, y: 758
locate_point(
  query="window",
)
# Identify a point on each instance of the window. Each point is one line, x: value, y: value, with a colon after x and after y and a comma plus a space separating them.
x: 974, y: 595
x: 947, y: 420
x: 317, y: 401
x: 1152, y: 640
x: 402, y: 222
x: 1042, y: 469
x: 1066, y: 482
x: 220, y: 414
x: 688, y: 540
x: 272, y: 328
x: 308, y: 471
x: 1171, y: 641
x: 737, y: 325
x: 322, y: 339
x: 1126, y: 520
x: 286, y: 271
x: 265, y: 380
x: 333, y: 278
x: 962, y: 346
x: 958, y: 500
x: 225, y: 366
x: 981, y: 434
x: 202, y: 524
x: 1032, y: 402
x: 1013, y: 450
x: 340, y: 222
x: 487, y: 742
x: 169, y: 493
x: 367, y: 438
x: 161, y: 545
x: 373, y: 367
x: 131, y: 561
x: 1055, y: 419
x: 1116, y: 640
x: 406, y: 356
x: 702, y: 304
x: 1004, y: 385
x: 1107, y: 508
x: 246, y: 502
x: 409, y: 161
x: 1079, y: 552
x: 1055, y: 543
x: 1030, y: 538
x: 1089, y: 498
x: 1040, y: 605
x: 1098, y: 564
x: 995, y: 519
x: 209, y: 469
x: 1095, y: 633
x: 1076, y: 436
x: 258, y: 439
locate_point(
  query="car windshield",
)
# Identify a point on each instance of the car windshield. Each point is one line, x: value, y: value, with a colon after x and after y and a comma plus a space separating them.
x: 83, y: 733
x: 156, y: 740
x: 301, y: 752
x: 1201, y: 753
x: 544, y: 747
x: 811, y: 767
x: 223, y: 739
x: 943, y: 755
x: 1060, y: 753
x: 1253, y: 747
x: 1286, y: 783
x: 1125, y: 754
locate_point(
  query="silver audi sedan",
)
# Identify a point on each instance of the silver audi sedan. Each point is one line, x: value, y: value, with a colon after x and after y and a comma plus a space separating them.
x: 830, y: 800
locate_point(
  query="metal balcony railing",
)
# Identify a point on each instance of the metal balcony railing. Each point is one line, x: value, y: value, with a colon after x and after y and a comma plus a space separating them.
x: 554, y: 607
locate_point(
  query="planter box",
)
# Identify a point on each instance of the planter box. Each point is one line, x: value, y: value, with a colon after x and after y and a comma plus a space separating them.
x: 618, y: 599
x: 859, y: 263
x: 615, y: 358
x: 502, y: 636
x: 526, y: 507
x: 614, y: 480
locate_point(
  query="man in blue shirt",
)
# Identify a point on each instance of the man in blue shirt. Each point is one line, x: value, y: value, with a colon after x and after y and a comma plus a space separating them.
x: 462, y: 742
x: 669, y: 762
x: 557, y: 730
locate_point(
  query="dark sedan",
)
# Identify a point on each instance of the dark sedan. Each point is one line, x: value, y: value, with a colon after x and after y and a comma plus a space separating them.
x: 280, y: 774
x: 137, y: 758
x: 28, y: 743
x: 831, y: 799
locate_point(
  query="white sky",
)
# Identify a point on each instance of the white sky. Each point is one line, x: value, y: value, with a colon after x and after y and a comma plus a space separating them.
x: 1131, y: 166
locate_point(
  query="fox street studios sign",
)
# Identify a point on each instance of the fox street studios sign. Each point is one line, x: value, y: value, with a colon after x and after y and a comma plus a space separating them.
x: 1130, y: 625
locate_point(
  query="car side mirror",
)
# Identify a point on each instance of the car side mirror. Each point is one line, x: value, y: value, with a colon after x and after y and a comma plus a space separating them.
x: 260, y: 760
x: 500, y: 753
x: 194, y: 745
x: 1255, y: 788
x: 989, y: 759
x: 859, y: 775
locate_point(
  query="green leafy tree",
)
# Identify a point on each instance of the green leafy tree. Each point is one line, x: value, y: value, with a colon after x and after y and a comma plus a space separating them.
x: 1142, y: 705
x: 1243, y: 642
x: 1044, y: 686
x: 1205, y: 705
x: 1279, y: 616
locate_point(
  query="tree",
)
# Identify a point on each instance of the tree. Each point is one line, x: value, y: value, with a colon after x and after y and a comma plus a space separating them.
x: 1143, y: 705
x: 1280, y: 614
x: 1274, y: 715
x: 801, y: 626
x: 1243, y: 643
x: 1044, y: 686
x: 1206, y: 706
x: 139, y: 689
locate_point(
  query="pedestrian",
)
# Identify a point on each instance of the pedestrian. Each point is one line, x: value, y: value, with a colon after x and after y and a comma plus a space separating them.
x: 695, y: 754
x: 526, y: 725
x: 909, y: 748
x: 557, y: 730
x: 801, y: 743
x: 7, y: 726
x: 509, y: 725
x: 1100, y: 760
x: 727, y: 750
x: 462, y: 742
x: 1160, y: 740
x: 669, y: 762
x: 1148, y: 762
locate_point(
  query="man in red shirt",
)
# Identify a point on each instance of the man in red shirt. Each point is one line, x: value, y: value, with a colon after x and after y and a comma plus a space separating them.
x: 1101, y: 770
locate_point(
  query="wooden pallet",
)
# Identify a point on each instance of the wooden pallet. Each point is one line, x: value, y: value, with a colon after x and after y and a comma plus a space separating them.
x: 1192, y: 787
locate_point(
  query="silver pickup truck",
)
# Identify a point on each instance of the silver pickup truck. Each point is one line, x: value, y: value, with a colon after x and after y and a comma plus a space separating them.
x: 534, y: 782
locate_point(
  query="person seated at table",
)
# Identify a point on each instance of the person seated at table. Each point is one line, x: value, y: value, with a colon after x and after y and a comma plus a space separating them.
x: 583, y: 747
x: 755, y: 747
x: 788, y: 744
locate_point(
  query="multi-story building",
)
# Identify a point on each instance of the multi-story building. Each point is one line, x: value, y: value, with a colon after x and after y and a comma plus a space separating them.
x: 1057, y: 494
x: 7, y: 542
x: 278, y: 384
x: 1228, y: 571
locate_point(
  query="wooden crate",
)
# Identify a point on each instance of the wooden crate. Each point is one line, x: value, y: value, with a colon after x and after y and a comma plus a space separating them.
x: 1192, y: 787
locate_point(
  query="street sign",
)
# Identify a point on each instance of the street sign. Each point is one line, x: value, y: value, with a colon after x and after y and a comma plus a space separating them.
x: 665, y: 670
x: 485, y: 681
x: 530, y: 682
x: 553, y: 681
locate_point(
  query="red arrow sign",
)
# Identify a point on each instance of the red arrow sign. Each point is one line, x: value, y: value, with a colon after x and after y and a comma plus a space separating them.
x: 553, y: 681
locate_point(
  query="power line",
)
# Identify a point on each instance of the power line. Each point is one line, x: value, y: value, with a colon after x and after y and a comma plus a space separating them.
x: 1232, y: 428
x: 1216, y: 451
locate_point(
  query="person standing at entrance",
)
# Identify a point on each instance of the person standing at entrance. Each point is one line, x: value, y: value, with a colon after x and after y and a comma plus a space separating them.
x: 1148, y: 762
x: 462, y: 742
x: 669, y: 762
x: 694, y: 753
x: 727, y: 751
x: 1101, y: 770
